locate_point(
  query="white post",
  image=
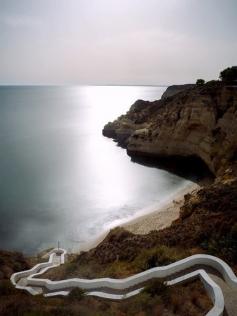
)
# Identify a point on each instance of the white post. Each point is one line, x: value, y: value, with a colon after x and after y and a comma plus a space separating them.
x: 59, y: 253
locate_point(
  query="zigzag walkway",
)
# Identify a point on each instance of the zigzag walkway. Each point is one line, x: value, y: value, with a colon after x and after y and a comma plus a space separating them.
x: 217, y: 277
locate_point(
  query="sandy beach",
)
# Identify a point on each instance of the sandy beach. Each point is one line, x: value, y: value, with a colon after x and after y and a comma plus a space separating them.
x: 161, y: 217
x: 155, y: 218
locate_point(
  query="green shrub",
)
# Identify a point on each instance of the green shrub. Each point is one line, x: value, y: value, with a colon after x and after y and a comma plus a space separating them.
x: 200, y: 82
x: 156, y: 288
x: 76, y: 294
x: 225, y: 246
x: 229, y: 74
x: 158, y: 256
x: 70, y: 267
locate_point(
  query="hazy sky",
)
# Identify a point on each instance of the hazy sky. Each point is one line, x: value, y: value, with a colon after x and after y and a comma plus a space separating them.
x: 115, y: 41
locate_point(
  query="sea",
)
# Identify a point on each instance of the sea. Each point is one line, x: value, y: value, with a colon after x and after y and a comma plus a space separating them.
x: 61, y: 180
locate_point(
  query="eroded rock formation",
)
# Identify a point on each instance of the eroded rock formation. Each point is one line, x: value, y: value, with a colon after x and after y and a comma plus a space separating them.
x: 174, y: 89
x: 200, y: 121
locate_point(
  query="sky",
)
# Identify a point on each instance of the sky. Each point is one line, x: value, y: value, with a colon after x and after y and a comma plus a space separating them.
x: 140, y: 42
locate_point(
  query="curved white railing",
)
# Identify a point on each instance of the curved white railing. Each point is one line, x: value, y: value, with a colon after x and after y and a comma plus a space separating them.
x: 213, y: 290
x: 59, y: 287
x: 157, y: 272
x: 15, y: 277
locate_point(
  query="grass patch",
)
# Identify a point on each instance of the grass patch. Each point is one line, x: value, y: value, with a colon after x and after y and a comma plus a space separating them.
x: 156, y: 287
x: 158, y: 256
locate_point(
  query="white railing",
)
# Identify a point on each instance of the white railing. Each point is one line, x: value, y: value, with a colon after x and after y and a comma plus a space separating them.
x: 59, y: 287
x: 15, y: 277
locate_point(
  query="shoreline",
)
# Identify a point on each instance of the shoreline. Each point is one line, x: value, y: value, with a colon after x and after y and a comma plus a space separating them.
x: 162, y: 216
x: 153, y: 217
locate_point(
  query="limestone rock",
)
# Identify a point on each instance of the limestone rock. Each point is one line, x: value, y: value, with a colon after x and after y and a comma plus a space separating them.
x: 199, y: 122
x: 172, y: 90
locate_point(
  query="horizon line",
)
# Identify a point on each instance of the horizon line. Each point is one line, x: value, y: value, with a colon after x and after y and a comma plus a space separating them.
x: 86, y: 85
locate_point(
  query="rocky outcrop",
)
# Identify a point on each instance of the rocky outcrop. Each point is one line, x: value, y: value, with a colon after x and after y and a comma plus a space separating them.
x: 172, y: 90
x: 200, y: 121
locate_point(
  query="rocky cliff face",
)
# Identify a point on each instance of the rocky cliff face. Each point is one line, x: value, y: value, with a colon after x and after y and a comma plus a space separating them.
x: 200, y: 121
x: 172, y: 90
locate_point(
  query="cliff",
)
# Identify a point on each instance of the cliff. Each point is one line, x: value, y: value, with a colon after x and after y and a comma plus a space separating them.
x: 200, y: 121
x: 172, y: 90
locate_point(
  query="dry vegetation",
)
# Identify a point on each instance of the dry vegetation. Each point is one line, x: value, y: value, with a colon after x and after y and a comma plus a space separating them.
x: 88, y: 267
x: 189, y: 300
x: 156, y: 299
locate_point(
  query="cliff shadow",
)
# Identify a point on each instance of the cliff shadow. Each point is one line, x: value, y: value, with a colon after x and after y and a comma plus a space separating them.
x: 191, y: 168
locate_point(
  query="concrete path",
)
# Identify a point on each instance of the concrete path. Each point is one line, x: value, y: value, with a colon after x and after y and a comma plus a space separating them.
x: 217, y: 277
x: 230, y: 295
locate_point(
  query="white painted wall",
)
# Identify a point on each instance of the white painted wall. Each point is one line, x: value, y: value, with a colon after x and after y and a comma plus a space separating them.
x: 212, y: 288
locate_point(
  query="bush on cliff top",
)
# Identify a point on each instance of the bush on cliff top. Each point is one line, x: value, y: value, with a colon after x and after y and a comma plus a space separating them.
x: 229, y: 74
x: 200, y: 82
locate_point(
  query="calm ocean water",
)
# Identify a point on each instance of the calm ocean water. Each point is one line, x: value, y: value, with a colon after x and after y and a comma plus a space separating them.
x: 60, y: 179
